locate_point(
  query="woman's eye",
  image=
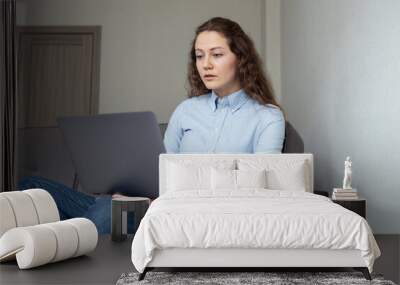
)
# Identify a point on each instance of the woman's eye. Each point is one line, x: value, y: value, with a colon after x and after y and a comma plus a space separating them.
x: 199, y: 56
x: 218, y: 54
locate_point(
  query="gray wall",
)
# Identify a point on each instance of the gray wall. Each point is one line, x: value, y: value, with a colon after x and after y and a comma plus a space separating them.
x: 341, y: 91
x: 145, y: 43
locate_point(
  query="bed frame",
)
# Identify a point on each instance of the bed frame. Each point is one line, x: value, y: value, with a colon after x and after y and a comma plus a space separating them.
x: 242, y: 259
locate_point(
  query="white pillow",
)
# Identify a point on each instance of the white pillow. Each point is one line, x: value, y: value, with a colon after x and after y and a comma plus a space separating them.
x: 251, y: 178
x: 237, y: 179
x: 281, y: 174
x: 290, y: 178
x: 188, y: 175
x: 223, y: 179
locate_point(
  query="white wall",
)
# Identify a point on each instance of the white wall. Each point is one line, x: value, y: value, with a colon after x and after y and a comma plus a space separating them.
x: 341, y: 91
x: 145, y: 43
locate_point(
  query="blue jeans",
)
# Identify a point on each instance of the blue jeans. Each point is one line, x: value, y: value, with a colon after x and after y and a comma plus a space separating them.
x: 72, y: 203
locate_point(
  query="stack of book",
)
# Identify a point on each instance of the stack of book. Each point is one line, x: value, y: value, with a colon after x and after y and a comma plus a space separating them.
x: 344, y: 194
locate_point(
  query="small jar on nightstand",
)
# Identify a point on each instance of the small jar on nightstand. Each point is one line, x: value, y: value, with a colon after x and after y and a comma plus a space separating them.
x: 358, y: 206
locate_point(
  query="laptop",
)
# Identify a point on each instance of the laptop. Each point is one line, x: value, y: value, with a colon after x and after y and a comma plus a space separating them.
x: 115, y: 152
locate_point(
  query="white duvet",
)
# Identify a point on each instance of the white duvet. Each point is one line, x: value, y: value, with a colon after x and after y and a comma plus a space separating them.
x: 251, y: 218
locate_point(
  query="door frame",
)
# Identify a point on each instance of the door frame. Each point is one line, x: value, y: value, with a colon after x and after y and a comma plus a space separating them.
x: 95, y: 31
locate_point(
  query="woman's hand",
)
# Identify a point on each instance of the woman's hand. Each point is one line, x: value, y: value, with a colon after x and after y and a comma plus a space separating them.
x: 118, y: 195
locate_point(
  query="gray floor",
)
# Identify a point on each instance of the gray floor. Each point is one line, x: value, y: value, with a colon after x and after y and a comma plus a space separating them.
x: 110, y: 259
x: 389, y: 262
x: 102, y: 266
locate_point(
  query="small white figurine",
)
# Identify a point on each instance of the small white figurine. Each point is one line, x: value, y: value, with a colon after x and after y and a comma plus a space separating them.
x: 347, y: 174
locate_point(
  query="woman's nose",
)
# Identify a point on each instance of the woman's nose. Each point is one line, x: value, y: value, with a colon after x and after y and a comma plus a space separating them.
x: 207, y: 63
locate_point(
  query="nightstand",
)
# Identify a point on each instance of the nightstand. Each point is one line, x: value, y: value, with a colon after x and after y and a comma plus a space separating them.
x: 358, y: 206
x: 119, y: 214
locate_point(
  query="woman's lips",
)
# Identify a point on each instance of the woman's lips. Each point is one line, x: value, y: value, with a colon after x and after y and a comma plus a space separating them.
x: 210, y: 77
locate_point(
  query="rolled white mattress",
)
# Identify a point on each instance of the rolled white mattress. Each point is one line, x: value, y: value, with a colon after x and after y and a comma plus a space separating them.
x: 40, y: 244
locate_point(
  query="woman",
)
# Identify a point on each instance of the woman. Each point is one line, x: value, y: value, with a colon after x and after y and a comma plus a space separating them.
x: 231, y: 106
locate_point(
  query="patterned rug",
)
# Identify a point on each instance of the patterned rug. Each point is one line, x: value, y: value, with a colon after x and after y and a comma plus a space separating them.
x: 244, y: 278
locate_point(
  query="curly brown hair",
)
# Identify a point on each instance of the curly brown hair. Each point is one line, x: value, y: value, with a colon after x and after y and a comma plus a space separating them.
x: 252, y: 77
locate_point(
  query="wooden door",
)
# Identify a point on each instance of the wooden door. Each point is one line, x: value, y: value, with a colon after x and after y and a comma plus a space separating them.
x: 58, y: 70
x: 58, y: 73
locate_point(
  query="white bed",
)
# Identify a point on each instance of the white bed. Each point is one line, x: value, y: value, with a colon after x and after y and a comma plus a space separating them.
x: 247, y: 210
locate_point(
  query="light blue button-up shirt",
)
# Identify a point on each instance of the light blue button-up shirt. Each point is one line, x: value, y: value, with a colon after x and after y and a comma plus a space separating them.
x: 232, y: 124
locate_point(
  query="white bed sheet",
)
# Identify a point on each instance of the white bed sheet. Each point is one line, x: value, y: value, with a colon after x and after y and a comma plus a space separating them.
x: 250, y: 218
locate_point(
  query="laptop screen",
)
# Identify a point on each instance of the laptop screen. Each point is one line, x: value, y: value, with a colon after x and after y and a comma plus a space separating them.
x: 115, y: 152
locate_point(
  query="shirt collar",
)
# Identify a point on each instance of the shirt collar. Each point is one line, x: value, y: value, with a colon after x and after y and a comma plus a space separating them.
x: 234, y: 100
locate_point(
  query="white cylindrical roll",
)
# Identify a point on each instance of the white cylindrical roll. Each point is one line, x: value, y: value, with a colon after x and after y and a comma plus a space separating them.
x: 34, y: 245
x: 7, y: 218
x: 45, y: 205
x: 67, y: 239
x: 10, y: 243
x: 40, y: 244
x: 40, y: 247
x: 87, y: 234
x: 23, y: 207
